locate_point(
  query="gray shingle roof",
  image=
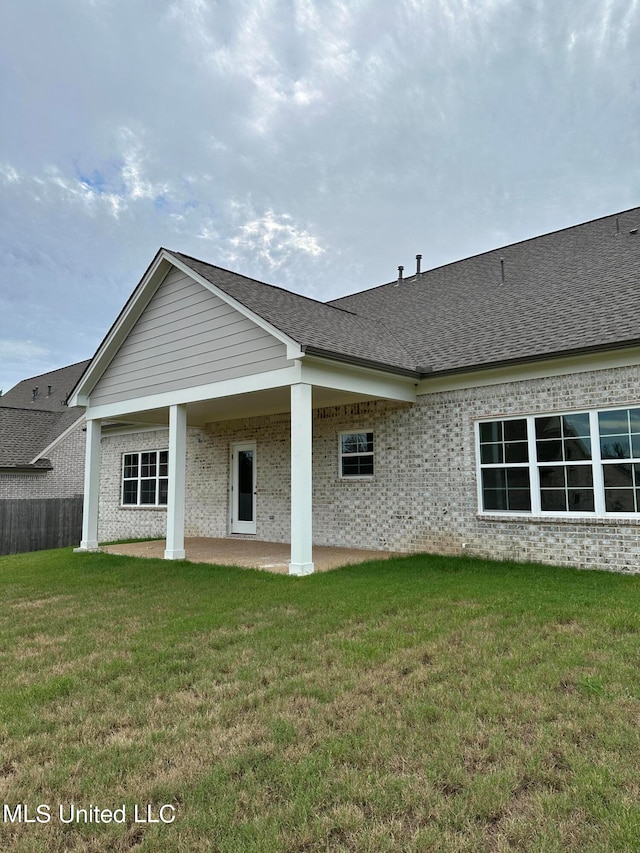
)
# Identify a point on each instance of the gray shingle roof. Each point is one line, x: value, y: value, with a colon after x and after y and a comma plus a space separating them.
x: 62, y: 381
x: 571, y: 290
x: 28, y: 425
x: 23, y: 434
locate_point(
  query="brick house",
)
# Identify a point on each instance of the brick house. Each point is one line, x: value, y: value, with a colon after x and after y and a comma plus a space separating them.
x: 490, y: 406
x: 42, y: 450
x: 42, y: 443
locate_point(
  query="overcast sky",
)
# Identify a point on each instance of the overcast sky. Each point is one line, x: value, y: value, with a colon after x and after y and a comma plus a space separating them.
x: 314, y: 144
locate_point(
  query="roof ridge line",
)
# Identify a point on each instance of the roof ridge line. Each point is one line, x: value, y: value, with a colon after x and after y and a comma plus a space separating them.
x: 411, y: 278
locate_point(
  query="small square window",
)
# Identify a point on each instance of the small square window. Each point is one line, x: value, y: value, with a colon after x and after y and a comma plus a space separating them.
x: 356, y: 454
x: 145, y: 478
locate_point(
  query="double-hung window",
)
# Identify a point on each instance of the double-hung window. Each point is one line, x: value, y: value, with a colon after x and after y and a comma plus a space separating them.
x: 565, y: 470
x: 581, y: 463
x: 620, y: 452
x: 145, y: 478
x: 504, y: 456
x: 356, y: 454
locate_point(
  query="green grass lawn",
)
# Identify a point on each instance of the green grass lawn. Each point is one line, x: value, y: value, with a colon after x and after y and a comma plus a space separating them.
x: 426, y: 703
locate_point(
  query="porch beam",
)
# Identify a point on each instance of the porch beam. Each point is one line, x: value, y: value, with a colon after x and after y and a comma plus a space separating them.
x: 301, y: 480
x: 279, y: 378
x: 177, y: 481
x: 89, y: 541
x: 357, y: 380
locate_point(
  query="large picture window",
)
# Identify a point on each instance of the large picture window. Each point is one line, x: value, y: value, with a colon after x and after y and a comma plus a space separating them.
x: 582, y: 463
x: 356, y: 454
x: 145, y: 478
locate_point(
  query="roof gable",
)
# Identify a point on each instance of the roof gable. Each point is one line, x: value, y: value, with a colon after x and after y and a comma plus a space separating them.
x: 186, y: 336
x: 316, y: 326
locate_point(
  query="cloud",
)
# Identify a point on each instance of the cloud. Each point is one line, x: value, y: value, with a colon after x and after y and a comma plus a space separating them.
x: 313, y: 144
x: 274, y: 238
x: 20, y: 359
x: 20, y: 350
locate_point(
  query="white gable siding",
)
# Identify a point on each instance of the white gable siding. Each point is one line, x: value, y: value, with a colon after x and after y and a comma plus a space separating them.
x: 186, y: 336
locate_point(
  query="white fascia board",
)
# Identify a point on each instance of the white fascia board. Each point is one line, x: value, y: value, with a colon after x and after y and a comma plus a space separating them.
x: 358, y: 380
x: 43, y: 453
x: 215, y: 390
x: 533, y: 370
x: 116, y: 336
x: 293, y: 347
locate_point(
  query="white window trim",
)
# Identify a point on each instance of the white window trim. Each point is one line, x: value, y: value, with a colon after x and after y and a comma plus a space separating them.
x: 533, y: 465
x: 139, y: 478
x: 356, y: 431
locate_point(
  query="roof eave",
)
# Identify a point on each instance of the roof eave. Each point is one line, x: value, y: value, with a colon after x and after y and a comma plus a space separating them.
x: 361, y: 362
x: 531, y: 359
x: 25, y: 469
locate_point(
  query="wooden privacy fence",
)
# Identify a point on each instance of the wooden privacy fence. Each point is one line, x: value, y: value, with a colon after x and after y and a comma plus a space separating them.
x: 33, y: 525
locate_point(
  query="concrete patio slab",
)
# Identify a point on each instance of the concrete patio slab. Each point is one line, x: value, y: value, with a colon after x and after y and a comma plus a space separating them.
x: 268, y: 556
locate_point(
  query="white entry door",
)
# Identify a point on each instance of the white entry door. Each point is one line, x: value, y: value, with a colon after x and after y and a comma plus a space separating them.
x: 243, y: 488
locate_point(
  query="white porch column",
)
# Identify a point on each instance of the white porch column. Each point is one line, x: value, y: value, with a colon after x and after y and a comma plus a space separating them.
x: 301, y: 480
x: 89, y: 541
x: 177, y: 479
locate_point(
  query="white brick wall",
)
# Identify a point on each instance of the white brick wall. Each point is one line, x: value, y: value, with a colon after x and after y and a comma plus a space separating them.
x: 423, y: 496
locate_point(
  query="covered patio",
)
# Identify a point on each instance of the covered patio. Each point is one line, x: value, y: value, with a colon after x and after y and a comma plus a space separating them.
x: 249, y: 553
x: 197, y: 346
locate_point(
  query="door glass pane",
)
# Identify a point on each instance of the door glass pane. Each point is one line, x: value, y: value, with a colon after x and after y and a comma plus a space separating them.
x: 245, y: 485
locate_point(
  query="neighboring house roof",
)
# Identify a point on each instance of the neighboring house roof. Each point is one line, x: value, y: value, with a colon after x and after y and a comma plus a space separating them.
x: 30, y: 423
x: 23, y: 433
x: 573, y: 290
x: 60, y: 381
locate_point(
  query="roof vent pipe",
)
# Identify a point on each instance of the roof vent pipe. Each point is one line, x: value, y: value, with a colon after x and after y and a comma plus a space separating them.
x: 400, y: 272
x: 418, y: 262
x: 502, y: 269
